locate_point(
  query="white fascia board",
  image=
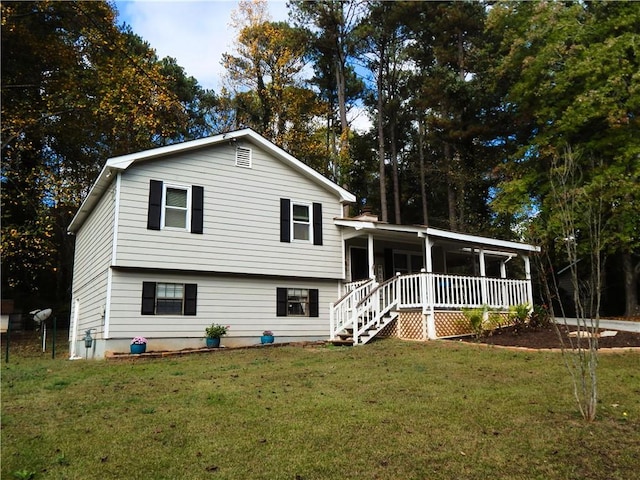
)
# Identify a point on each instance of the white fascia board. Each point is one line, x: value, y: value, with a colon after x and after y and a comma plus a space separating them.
x: 437, y: 233
x: 97, y: 190
x: 475, y: 239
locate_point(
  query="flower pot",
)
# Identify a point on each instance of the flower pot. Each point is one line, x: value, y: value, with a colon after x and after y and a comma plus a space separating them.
x: 213, y: 342
x: 267, y: 339
x: 137, y: 349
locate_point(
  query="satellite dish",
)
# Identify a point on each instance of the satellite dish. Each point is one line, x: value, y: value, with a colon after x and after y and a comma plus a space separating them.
x: 40, y: 316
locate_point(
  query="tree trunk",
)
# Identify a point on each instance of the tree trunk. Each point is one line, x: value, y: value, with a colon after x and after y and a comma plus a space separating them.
x: 451, y: 192
x: 423, y: 187
x: 631, y: 274
x: 396, y: 180
x: 384, y: 213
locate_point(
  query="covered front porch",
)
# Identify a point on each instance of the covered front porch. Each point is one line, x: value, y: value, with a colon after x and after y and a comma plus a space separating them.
x: 414, y: 281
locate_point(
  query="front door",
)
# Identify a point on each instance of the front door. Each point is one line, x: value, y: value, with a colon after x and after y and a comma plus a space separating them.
x: 359, y: 263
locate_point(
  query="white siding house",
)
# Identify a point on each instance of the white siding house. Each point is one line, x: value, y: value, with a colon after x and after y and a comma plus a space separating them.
x: 233, y: 230
x: 176, y: 238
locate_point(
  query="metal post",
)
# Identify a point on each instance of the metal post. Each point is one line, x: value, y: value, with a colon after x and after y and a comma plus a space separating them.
x: 6, y: 355
x: 53, y: 345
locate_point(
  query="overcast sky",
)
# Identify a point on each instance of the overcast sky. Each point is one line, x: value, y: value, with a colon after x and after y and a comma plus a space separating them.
x: 195, y: 33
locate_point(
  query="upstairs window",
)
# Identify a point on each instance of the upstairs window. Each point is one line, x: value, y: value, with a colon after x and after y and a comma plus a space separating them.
x: 300, y: 221
x: 176, y: 203
x: 176, y: 207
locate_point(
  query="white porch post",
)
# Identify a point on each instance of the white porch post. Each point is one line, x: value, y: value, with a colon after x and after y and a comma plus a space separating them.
x: 429, y: 326
x: 527, y: 276
x: 483, y: 280
x: 503, y: 274
x: 371, y: 257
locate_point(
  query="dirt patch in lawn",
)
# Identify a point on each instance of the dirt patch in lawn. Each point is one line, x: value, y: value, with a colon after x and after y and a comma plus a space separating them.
x: 548, y: 337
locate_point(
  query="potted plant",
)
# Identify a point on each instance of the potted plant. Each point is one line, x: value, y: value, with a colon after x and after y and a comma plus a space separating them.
x: 213, y: 334
x: 267, y: 337
x: 138, y: 345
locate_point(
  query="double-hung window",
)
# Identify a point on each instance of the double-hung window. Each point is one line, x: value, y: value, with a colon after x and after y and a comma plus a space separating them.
x: 169, y: 298
x: 175, y: 213
x: 300, y: 221
x: 175, y: 207
x: 297, y: 302
x: 162, y: 298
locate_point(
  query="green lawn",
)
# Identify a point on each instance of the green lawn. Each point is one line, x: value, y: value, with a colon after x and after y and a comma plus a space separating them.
x: 389, y: 410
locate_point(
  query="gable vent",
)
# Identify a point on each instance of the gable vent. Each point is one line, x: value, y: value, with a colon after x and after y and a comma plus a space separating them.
x: 243, y: 157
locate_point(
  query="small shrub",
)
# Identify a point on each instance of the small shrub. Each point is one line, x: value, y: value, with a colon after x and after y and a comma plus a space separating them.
x: 519, y: 315
x: 540, y: 317
x: 483, y: 321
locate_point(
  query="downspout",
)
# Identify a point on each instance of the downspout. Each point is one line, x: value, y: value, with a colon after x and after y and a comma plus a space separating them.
x: 73, y: 353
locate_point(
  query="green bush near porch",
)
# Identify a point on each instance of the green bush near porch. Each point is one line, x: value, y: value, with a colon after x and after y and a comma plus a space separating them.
x: 389, y: 410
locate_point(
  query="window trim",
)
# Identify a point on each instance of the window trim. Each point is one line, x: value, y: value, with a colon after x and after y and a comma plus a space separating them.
x: 308, y: 223
x: 187, y: 209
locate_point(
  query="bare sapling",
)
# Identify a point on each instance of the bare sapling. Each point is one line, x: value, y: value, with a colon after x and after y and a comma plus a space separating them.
x: 576, y: 226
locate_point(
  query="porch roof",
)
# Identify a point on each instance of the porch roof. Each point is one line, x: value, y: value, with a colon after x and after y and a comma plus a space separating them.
x: 367, y: 224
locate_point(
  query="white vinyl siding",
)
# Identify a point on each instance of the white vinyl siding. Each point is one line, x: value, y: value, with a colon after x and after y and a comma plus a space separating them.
x: 93, y: 250
x: 247, y: 304
x: 241, y: 218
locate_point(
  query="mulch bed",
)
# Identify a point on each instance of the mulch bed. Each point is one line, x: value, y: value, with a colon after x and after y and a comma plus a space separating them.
x: 543, y: 338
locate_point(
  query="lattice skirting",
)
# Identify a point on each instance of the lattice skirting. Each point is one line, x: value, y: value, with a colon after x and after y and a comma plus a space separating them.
x: 450, y: 324
x: 410, y: 325
x: 390, y: 330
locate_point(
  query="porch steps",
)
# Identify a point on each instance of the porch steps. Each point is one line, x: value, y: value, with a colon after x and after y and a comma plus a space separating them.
x: 345, y: 338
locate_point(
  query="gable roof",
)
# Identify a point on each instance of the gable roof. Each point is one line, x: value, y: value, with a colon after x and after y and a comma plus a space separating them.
x: 122, y: 163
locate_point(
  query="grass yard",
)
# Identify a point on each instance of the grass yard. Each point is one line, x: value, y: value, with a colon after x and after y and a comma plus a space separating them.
x: 389, y: 410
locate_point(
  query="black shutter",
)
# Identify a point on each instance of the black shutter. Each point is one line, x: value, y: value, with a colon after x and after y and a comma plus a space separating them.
x: 197, y: 209
x: 388, y: 263
x: 281, y: 302
x: 148, y: 298
x: 317, y: 224
x: 190, y: 297
x: 155, y: 205
x: 314, y: 306
x: 285, y: 220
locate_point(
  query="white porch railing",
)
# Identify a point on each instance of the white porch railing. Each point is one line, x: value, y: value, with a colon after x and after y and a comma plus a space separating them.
x: 366, y: 303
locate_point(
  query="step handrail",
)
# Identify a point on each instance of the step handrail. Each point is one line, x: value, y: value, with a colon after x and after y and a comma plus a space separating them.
x: 340, y: 312
x: 379, y: 301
